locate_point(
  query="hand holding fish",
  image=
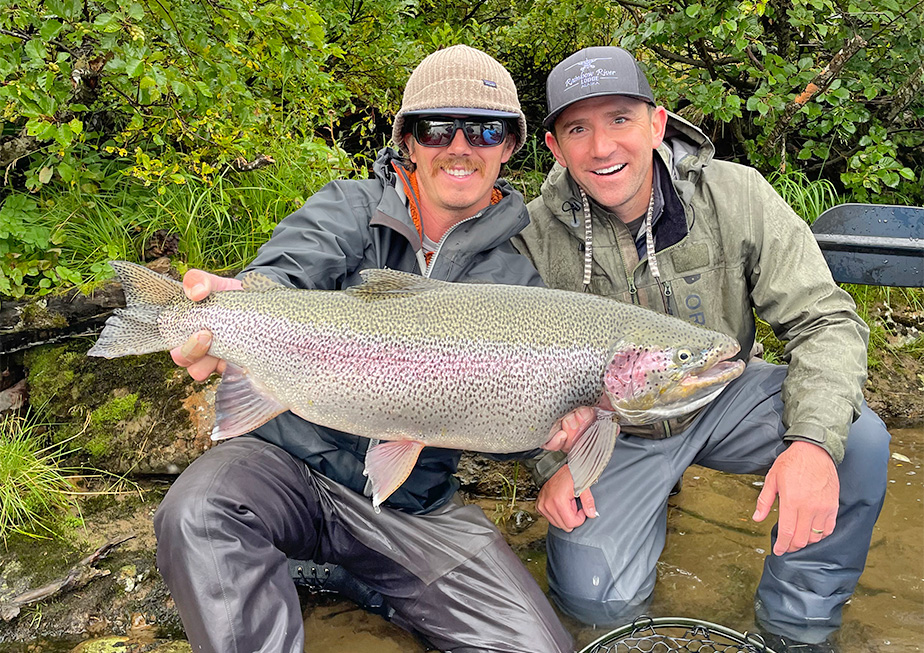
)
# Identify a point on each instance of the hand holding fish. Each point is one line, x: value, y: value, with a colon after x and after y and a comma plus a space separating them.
x: 193, y: 354
x: 557, y: 503
x: 805, y: 478
x: 569, y: 428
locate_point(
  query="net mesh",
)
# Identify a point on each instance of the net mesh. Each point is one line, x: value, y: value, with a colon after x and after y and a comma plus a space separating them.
x: 665, y: 635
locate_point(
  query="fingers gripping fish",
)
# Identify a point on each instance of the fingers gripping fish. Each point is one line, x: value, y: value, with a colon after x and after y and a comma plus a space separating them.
x: 415, y: 362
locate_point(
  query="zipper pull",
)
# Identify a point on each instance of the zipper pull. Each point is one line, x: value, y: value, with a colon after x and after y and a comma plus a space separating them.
x: 667, y: 289
x: 632, y: 289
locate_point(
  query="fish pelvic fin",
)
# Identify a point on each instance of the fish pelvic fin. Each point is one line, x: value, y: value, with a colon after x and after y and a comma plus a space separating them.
x: 133, y: 329
x: 388, y: 465
x: 592, y: 451
x: 385, y: 284
x: 240, y: 405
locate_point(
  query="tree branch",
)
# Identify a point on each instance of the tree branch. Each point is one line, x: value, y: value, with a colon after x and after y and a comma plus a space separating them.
x: 820, y: 82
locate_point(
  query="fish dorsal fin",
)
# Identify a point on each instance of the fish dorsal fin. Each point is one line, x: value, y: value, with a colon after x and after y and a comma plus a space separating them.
x: 259, y: 282
x: 591, y: 453
x: 241, y: 406
x: 382, y: 284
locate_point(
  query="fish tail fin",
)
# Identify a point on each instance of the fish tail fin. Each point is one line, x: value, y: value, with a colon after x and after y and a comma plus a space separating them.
x: 133, y: 330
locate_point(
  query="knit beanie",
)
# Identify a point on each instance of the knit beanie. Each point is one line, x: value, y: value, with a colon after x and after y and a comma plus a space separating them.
x: 462, y: 81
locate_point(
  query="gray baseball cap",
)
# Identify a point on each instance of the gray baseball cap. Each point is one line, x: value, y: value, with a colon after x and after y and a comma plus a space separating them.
x: 592, y: 72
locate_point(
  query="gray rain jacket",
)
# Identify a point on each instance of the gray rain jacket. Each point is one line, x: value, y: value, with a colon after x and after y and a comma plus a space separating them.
x: 726, y: 245
x: 349, y: 226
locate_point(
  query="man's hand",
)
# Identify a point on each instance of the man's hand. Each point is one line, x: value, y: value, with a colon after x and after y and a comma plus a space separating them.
x: 556, y: 502
x: 193, y: 354
x: 569, y: 428
x: 806, y: 480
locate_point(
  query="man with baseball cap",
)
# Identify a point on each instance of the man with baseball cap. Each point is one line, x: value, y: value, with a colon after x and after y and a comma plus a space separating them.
x: 293, y: 489
x: 636, y: 208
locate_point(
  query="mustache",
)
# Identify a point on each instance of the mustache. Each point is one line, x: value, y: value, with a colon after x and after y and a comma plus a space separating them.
x: 451, y: 161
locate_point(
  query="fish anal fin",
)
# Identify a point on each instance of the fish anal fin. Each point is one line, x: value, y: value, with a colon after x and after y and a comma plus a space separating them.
x: 592, y: 451
x: 241, y: 406
x: 388, y: 465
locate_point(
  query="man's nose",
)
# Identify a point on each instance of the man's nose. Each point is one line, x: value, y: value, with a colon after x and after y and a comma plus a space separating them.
x: 458, y: 145
x: 601, y: 145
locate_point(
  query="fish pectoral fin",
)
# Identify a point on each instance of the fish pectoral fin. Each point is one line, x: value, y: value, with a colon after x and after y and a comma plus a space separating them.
x: 388, y: 465
x: 240, y: 406
x: 591, y: 453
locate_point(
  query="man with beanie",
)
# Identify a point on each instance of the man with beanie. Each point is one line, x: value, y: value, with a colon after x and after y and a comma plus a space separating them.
x: 637, y: 209
x: 293, y: 489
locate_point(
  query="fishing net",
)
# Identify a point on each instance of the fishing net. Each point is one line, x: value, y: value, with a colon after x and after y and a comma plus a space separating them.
x: 664, y: 634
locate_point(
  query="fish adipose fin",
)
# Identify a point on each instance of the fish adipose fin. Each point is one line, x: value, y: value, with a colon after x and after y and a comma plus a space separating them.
x: 388, y: 465
x: 240, y: 406
x: 133, y: 329
x: 591, y: 453
x: 384, y: 284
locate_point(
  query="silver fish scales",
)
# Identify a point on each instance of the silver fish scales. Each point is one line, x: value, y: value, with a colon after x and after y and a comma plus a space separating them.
x: 417, y: 362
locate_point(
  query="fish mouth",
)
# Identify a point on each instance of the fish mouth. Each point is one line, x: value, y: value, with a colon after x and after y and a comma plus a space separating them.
x: 722, y: 372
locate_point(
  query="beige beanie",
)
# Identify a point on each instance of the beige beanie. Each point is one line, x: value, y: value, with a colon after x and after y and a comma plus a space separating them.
x: 460, y: 80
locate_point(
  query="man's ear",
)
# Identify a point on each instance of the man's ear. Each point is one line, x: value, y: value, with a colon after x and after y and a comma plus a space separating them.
x: 658, y: 126
x: 552, y: 144
x: 409, y: 144
x: 510, y: 144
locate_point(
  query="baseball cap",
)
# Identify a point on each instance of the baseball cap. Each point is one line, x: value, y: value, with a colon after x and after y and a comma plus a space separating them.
x: 460, y: 81
x: 592, y: 72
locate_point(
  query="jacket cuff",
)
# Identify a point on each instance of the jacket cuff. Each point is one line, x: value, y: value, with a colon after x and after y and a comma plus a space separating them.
x: 824, y: 438
x: 545, y: 465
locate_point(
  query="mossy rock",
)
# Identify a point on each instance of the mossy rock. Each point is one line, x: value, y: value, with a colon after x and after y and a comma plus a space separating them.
x: 132, y: 413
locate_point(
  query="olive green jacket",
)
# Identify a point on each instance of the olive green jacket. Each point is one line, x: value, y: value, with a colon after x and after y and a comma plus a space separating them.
x: 726, y: 245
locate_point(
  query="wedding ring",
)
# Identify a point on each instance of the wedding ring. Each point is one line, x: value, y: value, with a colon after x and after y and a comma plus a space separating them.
x: 816, y: 530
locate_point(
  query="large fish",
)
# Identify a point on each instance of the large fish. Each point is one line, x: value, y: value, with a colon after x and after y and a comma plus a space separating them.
x: 415, y: 362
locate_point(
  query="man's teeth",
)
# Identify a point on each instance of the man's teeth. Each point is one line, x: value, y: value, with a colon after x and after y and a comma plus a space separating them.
x: 610, y: 170
x: 455, y: 172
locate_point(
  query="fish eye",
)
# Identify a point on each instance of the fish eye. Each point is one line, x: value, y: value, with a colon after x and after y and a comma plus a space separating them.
x: 683, y: 356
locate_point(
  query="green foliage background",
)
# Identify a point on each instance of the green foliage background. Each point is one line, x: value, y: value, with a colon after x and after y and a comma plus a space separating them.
x: 124, y: 117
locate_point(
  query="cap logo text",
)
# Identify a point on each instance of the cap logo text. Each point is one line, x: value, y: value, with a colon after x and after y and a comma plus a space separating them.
x: 589, y: 75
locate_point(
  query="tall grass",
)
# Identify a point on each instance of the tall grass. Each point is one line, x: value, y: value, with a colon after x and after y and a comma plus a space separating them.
x: 808, y: 197
x: 220, y: 223
x: 34, y: 490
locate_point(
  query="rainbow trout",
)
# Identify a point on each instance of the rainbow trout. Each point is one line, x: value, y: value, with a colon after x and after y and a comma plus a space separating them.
x: 415, y: 362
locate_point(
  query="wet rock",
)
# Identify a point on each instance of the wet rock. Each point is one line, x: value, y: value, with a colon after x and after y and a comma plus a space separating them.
x: 102, y: 645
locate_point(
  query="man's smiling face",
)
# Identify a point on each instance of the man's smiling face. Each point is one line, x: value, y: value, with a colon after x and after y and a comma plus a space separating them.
x: 456, y: 180
x: 606, y: 143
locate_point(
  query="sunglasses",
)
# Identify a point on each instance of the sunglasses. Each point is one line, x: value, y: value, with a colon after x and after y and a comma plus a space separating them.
x: 439, y: 132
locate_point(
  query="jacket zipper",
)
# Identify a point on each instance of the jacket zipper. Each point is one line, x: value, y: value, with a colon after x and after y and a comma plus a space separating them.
x: 439, y: 245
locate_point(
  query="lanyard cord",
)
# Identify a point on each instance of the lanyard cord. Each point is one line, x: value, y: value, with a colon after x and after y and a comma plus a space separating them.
x: 589, y: 239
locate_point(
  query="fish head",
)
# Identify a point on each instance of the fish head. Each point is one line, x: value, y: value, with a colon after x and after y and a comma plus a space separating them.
x: 653, y: 377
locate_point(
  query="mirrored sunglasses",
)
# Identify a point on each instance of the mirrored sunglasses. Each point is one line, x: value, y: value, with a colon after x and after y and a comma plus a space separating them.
x: 439, y: 132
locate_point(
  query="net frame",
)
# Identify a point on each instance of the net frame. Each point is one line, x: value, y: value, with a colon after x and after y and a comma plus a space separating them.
x: 665, y: 634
